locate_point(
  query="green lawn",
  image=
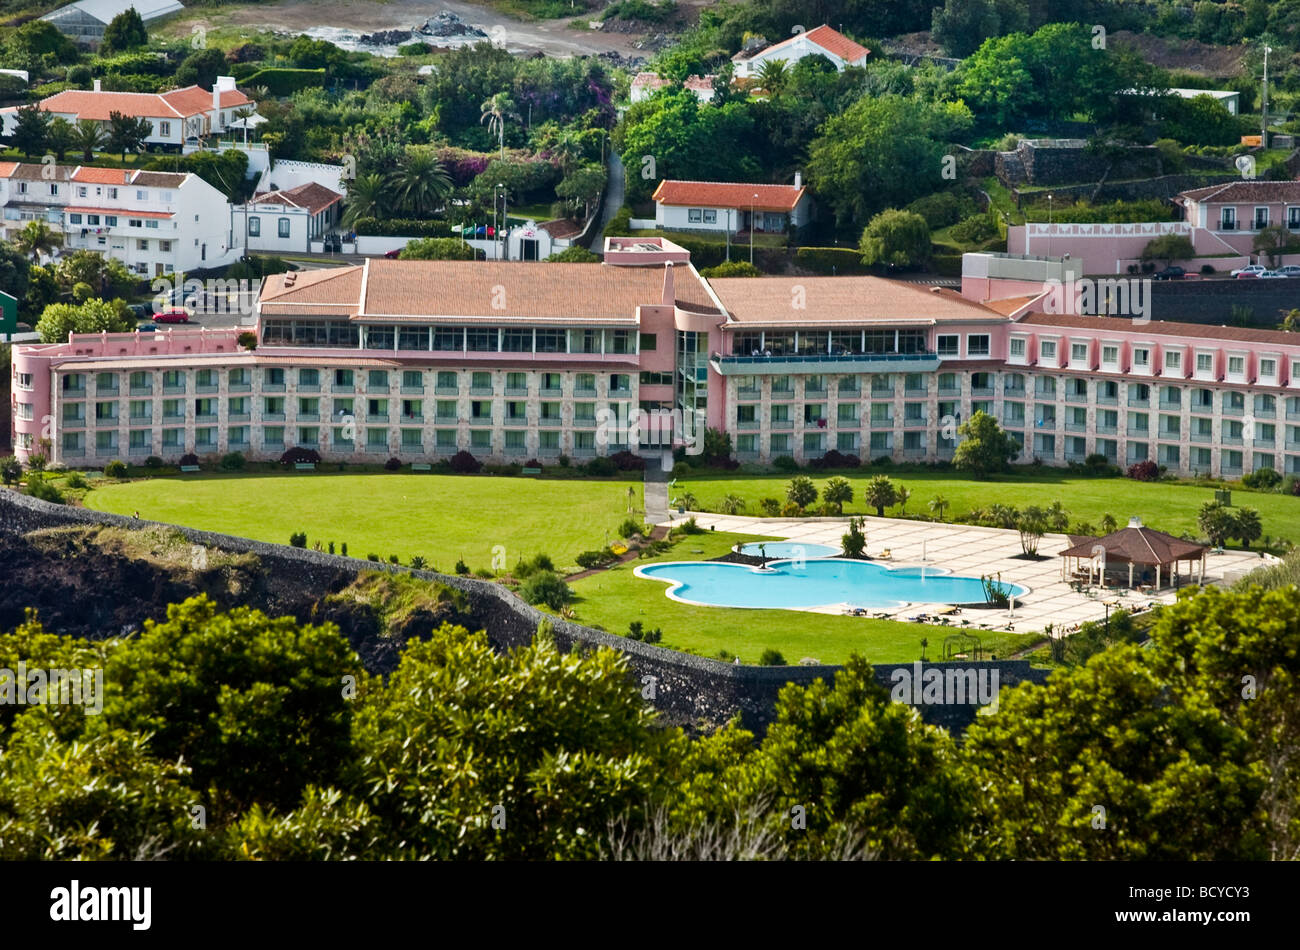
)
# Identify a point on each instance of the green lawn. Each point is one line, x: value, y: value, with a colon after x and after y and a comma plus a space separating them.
x: 612, y: 599
x: 440, y: 517
x: 1166, y: 506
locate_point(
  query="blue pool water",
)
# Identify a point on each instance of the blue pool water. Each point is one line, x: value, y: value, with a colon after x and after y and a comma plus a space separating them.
x: 815, y: 583
x: 792, y: 549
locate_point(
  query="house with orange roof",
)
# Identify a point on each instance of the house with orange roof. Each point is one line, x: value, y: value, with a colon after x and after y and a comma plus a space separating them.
x: 822, y: 41
x: 174, y: 117
x: 736, y: 207
x: 646, y: 84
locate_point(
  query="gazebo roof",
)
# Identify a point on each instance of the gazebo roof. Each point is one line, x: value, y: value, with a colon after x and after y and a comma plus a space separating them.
x: 1140, y: 545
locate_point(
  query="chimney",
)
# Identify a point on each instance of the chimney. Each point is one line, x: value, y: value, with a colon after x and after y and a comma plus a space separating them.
x: 798, y: 179
x: 670, y: 293
x: 97, y: 86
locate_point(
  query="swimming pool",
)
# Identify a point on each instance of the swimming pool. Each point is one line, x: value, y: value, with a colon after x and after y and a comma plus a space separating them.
x: 790, y: 549
x: 814, y: 583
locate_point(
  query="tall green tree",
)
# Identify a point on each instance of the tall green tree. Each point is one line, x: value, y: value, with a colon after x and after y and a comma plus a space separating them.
x: 31, y: 130
x: 88, y: 136
x: 127, y: 133
x: 37, y: 238
x: 881, y: 494
x: 420, y: 184
x: 896, y: 239
x: 985, y: 447
x: 367, y: 198
x: 125, y: 32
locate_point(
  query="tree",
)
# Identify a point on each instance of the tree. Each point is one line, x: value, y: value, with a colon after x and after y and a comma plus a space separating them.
x: 1032, y: 525
x: 939, y: 504
x: 125, y: 32
x: 60, y: 137
x: 494, y: 112
x: 854, y: 541
x: 367, y: 198
x: 896, y: 239
x: 1271, y: 242
x: 31, y: 129
x: 107, y: 275
x: 902, y: 497
x: 985, y: 447
x: 545, y: 587
x: 92, y: 316
x: 10, y: 470
x: 202, y: 67
x: 127, y: 133
x: 1108, y: 523
x: 1246, y: 526
x: 584, y: 185
x: 421, y: 183
x: 15, y: 274
x: 773, y: 76
x: 837, y: 492
x: 881, y: 494
x: 960, y: 26
x: 1058, y: 519
x: 801, y: 491
x: 37, y: 238
x: 88, y: 136
x: 438, y: 249
x: 1216, y: 521
x: 1169, y: 247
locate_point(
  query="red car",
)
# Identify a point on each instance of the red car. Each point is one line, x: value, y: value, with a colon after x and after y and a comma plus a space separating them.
x: 174, y: 315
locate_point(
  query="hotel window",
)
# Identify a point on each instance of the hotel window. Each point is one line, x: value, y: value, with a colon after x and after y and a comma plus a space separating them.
x: 1047, y: 350
x: 1078, y: 352
x: 343, y: 378
x: 445, y: 438
x: 1267, y: 368
x: 1110, y: 355
x: 1293, y: 218
x: 1261, y: 218
x: 1141, y: 356
x: 376, y: 439
x: 1173, y: 360
x: 377, y: 379
x: 24, y: 380
x: 448, y: 339
x: 648, y: 342
x: 515, y: 442
x: 1017, y: 348
x: 284, y: 227
x: 977, y: 344
x: 447, y: 379
x: 254, y: 226
x: 482, y: 339
x: 480, y: 439
x: 25, y: 411
x: 1236, y: 365
x: 947, y: 344
x: 1204, y: 362
x: 1228, y: 219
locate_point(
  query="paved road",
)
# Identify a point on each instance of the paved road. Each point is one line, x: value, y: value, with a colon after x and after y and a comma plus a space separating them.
x: 614, y: 188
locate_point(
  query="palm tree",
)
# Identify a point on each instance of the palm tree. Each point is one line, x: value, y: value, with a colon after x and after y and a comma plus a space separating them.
x: 902, y: 495
x: 366, y: 195
x: 937, y: 504
x: 243, y: 115
x: 568, y: 149
x: 495, y: 111
x: 773, y: 76
x: 88, y: 136
x: 36, y: 238
x: 420, y: 183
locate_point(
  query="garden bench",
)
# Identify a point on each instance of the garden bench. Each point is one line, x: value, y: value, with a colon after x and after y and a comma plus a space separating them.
x: 305, y: 466
x: 189, y: 468
x: 421, y: 467
x: 532, y: 471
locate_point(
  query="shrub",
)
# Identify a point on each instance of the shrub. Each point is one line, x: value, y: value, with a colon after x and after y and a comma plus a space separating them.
x: 835, y: 459
x: 462, y: 569
x: 153, y: 461
x: 791, y: 510
x: 689, y: 526
x: 596, y: 558
x: 464, y: 463
x: 298, y: 539
x: 854, y: 541
x: 1146, y: 471
x: 37, y: 462
x: 574, y: 255
x: 545, y: 587
x: 830, y: 260
x: 392, y: 465
x: 631, y: 526
x: 601, y: 466
x: 536, y: 564
x: 76, y: 480
x: 45, y: 491
x: 115, y: 469
x: 11, y: 470
x: 247, y: 339
x: 299, y: 456
x: 373, y: 557
x: 772, y: 657
x: 731, y: 269
x: 393, y: 559
x: 343, y: 549
x: 625, y: 461
x: 1265, y: 479
x: 784, y: 463
x: 331, y: 547
x: 484, y: 573
x: 189, y: 458
x: 231, y: 462
x: 636, y: 631
x: 733, y: 504
x: 281, y: 81
x: 801, y: 491
x: 418, y: 562
x: 770, y: 506
x: 402, y: 227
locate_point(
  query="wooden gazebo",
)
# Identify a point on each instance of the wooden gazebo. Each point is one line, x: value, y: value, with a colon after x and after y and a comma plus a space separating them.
x: 1138, y: 547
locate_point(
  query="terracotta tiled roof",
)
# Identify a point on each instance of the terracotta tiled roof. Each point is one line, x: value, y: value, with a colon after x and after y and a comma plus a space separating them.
x: 828, y: 39
x: 1157, y: 328
x: 653, y: 80
x: 159, y: 179
x: 89, y: 175
x: 1139, y: 545
x: 725, y: 194
x: 561, y: 228
x: 177, y: 104
x: 315, y: 198
x: 332, y: 289
x: 193, y: 100
x: 832, y: 300
x: 7, y: 169
x: 699, y: 83
x: 1246, y: 192
x: 1009, y: 305
x: 26, y: 171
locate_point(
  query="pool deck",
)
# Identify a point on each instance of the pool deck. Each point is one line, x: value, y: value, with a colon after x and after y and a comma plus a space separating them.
x: 971, y: 550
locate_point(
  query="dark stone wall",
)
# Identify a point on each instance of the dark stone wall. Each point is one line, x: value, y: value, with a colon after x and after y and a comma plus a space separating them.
x: 688, y: 690
x: 1211, y: 301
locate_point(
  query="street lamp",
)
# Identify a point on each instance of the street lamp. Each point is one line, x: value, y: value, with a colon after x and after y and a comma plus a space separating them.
x: 505, y: 197
x: 1263, y: 128
x: 751, y: 228
x: 1049, y: 225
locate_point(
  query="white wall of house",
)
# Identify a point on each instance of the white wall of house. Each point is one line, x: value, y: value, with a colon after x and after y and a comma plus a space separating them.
x: 678, y: 218
x: 275, y: 228
x: 791, y: 53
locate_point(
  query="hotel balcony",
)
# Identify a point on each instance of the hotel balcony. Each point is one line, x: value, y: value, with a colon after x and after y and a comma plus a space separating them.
x: 845, y: 363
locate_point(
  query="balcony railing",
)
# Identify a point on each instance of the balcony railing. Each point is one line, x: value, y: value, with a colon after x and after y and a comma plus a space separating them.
x: 1201, y: 437
x: 782, y: 424
x: 1107, y: 400
x: 1234, y: 410
x: 1230, y: 439
x: 1265, y: 413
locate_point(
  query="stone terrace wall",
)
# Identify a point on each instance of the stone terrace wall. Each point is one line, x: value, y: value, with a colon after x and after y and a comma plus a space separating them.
x: 690, y: 690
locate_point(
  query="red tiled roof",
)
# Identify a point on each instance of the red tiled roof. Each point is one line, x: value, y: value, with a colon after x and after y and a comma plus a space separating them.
x: 1139, y: 545
x: 830, y: 300
x: 725, y: 194
x: 7, y: 169
x: 177, y: 104
x: 193, y: 100
x: 1246, y: 192
x: 832, y: 41
x: 1158, y: 328
x: 315, y: 198
x: 102, y: 176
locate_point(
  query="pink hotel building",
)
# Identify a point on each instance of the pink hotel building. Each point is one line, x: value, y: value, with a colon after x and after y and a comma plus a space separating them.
x: 513, y: 361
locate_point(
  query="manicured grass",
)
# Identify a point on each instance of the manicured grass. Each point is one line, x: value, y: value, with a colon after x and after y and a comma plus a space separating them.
x: 1166, y: 506
x: 440, y: 517
x: 613, y: 599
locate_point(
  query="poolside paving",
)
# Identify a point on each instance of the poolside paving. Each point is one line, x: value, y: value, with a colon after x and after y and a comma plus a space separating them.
x: 973, y: 551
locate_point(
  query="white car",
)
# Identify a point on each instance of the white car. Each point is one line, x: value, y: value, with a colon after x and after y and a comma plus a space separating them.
x: 1289, y: 270
x: 1272, y: 273
x: 1256, y: 269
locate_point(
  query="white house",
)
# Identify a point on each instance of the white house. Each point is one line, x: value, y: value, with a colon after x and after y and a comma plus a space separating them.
x: 154, y: 222
x: 283, y: 221
x: 731, y: 206
x: 174, y: 116
x: 30, y: 192
x: 646, y: 84
x: 85, y: 20
x: 285, y: 175
x: 1230, y: 99
x: 822, y: 41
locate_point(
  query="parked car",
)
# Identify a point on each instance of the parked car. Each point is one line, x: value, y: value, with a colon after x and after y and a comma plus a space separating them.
x: 141, y: 311
x: 1289, y: 270
x: 1273, y: 274
x: 146, y: 327
x: 1172, y: 272
x: 174, y: 315
x: 1250, y: 270
x: 393, y: 254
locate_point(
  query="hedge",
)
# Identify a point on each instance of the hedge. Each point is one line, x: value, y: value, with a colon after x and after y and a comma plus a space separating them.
x: 826, y: 260
x: 946, y: 265
x: 402, y: 227
x: 283, y: 81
